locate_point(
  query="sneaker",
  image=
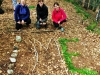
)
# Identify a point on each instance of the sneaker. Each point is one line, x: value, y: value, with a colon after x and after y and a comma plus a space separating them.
x: 62, y: 29
x: 19, y: 30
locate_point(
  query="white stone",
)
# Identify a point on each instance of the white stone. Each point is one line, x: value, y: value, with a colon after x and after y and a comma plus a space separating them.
x: 18, y: 38
x: 15, y: 51
x: 14, y: 55
x: 12, y: 59
x: 10, y: 71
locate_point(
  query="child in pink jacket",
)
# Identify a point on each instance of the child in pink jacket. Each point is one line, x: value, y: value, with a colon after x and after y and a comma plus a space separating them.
x: 58, y: 16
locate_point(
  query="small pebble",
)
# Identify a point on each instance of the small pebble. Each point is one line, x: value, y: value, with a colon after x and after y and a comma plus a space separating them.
x: 0, y: 71
x: 21, y: 65
x: 12, y: 59
x: 14, y: 55
x: 10, y: 71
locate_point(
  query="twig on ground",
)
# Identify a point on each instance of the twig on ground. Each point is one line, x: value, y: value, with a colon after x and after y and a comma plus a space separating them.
x: 49, y: 43
x: 40, y: 31
x: 60, y: 53
x: 36, y: 54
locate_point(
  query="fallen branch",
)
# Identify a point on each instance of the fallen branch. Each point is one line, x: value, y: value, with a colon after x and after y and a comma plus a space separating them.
x: 36, y: 54
x: 12, y: 30
x: 43, y: 31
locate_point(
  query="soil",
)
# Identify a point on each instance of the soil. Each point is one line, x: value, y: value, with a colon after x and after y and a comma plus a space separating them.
x: 39, y: 53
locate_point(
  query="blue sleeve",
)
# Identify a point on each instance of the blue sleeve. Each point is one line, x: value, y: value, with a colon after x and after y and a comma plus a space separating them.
x: 27, y: 14
x: 16, y: 14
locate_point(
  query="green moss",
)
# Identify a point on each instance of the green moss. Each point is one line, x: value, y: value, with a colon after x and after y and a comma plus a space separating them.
x: 79, y: 9
x: 92, y: 26
x: 31, y: 7
x: 67, y: 58
x: 97, y: 30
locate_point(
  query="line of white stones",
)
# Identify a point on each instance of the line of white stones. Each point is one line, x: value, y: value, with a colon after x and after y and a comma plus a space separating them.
x: 12, y: 61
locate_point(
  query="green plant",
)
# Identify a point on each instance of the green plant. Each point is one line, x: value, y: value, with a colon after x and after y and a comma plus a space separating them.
x: 31, y: 7
x: 67, y: 58
x: 92, y: 26
x: 79, y: 9
x: 97, y: 30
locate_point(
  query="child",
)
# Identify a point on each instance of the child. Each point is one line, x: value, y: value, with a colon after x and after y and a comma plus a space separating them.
x: 42, y: 14
x: 58, y: 16
x: 22, y: 15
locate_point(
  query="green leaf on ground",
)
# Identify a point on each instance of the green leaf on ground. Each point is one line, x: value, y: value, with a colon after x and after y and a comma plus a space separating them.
x: 67, y: 58
x: 31, y: 7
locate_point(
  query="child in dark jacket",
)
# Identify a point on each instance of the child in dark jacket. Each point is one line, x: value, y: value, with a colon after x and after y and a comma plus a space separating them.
x: 22, y: 15
x: 42, y: 14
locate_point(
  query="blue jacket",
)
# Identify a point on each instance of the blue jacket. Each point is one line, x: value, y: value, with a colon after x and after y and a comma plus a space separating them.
x: 21, y: 13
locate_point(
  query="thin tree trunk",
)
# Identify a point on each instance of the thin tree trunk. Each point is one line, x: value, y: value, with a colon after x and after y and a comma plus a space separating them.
x: 80, y: 2
x: 91, y: 4
x: 97, y: 2
x: 98, y: 16
x: 86, y: 4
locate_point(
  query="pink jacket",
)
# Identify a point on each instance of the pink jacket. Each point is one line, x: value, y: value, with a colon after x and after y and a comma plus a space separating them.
x: 58, y: 15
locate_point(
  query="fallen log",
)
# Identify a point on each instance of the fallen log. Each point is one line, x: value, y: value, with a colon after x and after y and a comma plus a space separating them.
x: 40, y: 31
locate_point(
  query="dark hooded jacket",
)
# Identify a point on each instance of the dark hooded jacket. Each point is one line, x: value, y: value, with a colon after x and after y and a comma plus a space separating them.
x: 42, y: 12
x: 1, y: 11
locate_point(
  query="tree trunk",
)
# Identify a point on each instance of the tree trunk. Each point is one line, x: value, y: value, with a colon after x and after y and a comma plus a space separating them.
x: 80, y: 2
x: 96, y: 5
x: 98, y: 16
x: 86, y: 4
x: 91, y: 4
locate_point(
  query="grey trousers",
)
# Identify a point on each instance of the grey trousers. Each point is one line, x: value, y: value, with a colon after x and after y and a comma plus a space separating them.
x: 38, y: 23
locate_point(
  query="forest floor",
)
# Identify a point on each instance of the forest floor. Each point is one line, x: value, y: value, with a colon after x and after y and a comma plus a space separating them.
x: 40, y: 52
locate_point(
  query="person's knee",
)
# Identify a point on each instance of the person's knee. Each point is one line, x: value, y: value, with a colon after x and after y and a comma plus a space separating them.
x: 37, y: 24
x: 28, y: 21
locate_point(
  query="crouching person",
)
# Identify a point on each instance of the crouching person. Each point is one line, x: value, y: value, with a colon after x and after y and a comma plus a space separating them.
x: 42, y: 14
x: 58, y: 16
x: 22, y: 15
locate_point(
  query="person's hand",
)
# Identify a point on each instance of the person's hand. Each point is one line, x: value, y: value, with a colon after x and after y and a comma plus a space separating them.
x: 23, y: 22
x: 58, y: 22
x: 19, y: 22
x: 40, y: 19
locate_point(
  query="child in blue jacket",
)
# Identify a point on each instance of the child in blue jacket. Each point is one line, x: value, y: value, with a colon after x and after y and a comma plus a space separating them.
x: 22, y: 15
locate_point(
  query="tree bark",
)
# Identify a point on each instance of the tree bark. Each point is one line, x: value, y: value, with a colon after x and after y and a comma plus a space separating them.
x: 97, y: 2
x: 98, y: 16
x: 86, y: 4
x: 80, y: 2
x: 91, y: 4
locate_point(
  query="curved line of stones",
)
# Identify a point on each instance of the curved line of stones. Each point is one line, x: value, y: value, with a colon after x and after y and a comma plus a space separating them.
x: 13, y: 59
